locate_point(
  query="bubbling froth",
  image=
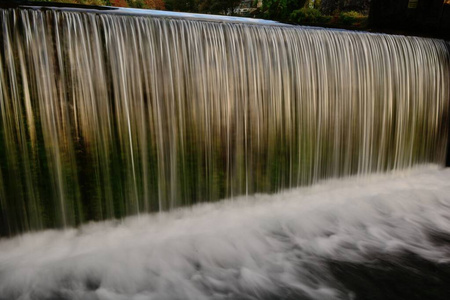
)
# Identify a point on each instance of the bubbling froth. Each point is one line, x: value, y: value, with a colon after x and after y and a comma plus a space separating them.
x: 304, y: 243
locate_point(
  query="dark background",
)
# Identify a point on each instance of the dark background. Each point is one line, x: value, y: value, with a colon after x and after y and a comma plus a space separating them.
x: 430, y: 17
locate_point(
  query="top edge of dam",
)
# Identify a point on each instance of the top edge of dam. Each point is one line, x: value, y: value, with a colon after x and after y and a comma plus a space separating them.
x: 171, y: 15
x: 137, y: 12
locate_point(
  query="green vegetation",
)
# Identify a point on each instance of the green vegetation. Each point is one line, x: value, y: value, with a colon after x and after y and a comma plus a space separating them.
x: 280, y: 9
x: 148, y: 4
x: 309, y: 15
x: 352, y: 18
x: 314, y: 13
x: 203, y: 6
x: 313, y: 16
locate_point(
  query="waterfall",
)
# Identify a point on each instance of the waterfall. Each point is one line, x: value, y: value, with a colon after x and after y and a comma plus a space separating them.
x: 105, y: 115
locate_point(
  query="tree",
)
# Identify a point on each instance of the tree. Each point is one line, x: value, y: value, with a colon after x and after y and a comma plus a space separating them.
x: 281, y: 9
x: 329, y: 6
x: 181, y: 5
x: 155, y: 4
x: 217, y: 6
x: 119, y: 3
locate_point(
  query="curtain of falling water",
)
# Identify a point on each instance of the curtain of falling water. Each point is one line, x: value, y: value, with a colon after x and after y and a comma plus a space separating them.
x: 104, y: 115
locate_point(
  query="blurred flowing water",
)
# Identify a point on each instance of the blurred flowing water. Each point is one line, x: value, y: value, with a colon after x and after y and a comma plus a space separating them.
x: 378, y: 237
x: 106, y: 115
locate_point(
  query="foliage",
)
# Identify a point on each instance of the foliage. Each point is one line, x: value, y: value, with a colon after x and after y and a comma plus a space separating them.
x: 178, y: 5
x: 92, y: 2
x: 351, y: 18
x: 306, y: 15
x: 219, y: 6
x: 119, y: 3
x: 281, y: 9
x: 155, y: 4
x: 151, y: 4
x: 315, y: 4
x: 329, y: 6
x: 136, y: 3
x: 63, y: 1
x: 203, y: 6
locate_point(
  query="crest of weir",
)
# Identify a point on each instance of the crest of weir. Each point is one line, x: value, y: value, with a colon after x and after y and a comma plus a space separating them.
x: 106, y: 115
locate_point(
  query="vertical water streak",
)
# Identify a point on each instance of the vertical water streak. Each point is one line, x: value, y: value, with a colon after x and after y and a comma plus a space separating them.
x: 104, y: 116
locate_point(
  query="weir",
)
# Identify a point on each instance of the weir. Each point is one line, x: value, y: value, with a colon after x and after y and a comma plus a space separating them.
x: 108, y: 113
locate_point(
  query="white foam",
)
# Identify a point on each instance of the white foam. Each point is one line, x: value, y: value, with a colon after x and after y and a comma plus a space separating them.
x: 248, y: 247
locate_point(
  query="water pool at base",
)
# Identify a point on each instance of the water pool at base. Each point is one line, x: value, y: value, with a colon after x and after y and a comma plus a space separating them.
x: 380, y: 237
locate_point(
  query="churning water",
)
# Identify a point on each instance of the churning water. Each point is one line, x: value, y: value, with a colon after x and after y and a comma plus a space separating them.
x: 379, y: 237
x: 108, y: 115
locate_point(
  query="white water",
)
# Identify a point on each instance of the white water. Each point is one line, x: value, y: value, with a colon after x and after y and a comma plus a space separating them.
x: 248, y: 248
